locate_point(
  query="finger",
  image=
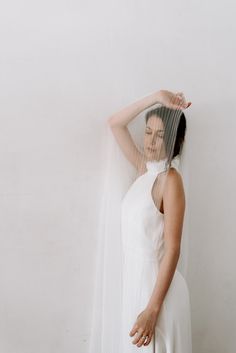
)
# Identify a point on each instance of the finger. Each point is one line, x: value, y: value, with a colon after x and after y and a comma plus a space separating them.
x: 179, y: 97
x: 176, y: 99
x: 138, y: 336
x: 143, y: 339
x: 140, y: 342
x: 134, y: 330
x: 148, y: 340
x: 185, y: 104
x: 182, y: 104
x: 177, y: 102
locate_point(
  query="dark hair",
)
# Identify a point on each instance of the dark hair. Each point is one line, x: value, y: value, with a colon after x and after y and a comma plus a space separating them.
x: 171, y: 118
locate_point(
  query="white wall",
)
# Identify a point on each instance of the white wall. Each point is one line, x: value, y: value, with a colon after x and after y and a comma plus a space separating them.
x: 65, y: 67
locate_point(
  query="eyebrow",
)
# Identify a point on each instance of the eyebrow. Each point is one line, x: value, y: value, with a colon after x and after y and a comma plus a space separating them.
x: 151, y: 128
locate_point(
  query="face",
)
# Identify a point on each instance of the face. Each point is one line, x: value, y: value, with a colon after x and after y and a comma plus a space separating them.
x: 153, y: 139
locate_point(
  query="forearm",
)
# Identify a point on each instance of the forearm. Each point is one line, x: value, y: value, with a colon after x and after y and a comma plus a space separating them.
x: 124, y: 116
x: 164, y: 278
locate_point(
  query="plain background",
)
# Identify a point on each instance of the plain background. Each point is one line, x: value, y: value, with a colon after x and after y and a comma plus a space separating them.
x: 65, y: 67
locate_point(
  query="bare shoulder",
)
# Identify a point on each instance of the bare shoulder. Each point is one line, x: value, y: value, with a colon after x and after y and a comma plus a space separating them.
x: 174, y: 183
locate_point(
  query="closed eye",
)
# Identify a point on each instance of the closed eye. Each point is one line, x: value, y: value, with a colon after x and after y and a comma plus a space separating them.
x: 149, y: 133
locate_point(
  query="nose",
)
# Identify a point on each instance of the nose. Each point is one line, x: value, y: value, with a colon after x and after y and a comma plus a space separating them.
x: 153, y: 142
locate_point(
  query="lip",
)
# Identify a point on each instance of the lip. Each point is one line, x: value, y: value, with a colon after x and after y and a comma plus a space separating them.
x: 151, y: 149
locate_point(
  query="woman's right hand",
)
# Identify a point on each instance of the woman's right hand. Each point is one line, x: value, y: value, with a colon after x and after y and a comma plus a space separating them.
x: 173, y: 100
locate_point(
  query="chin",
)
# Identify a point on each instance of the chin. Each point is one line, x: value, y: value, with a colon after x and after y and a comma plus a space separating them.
x: 152, y: 155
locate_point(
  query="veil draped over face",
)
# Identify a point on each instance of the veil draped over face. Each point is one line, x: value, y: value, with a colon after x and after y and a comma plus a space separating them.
x: 119, y: 174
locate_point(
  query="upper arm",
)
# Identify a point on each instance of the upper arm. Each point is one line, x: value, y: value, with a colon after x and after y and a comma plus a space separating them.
x: 127, y: 145
x: 174, y: 208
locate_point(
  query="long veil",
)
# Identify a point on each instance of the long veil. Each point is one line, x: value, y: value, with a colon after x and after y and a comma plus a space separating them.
x: 119, y: 175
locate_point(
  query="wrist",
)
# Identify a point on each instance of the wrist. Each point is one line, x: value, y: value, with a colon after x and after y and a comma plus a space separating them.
x: 158, y: 95
x: 153, y: 309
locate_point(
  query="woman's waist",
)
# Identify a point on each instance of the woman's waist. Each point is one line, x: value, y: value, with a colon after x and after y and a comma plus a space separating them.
x: 144, y: 253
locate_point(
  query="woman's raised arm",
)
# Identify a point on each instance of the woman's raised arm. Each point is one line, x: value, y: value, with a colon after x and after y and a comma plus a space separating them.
x: 118, y: 123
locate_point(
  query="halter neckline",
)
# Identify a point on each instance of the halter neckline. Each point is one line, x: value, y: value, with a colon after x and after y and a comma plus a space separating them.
x: 161, y: 164
x: 156, y: 165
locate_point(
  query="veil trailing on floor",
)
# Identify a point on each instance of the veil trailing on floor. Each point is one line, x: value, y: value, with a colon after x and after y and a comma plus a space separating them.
x: 119, y: 174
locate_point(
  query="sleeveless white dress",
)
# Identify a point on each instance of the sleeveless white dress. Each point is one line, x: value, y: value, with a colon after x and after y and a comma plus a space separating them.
x: 142, y: 227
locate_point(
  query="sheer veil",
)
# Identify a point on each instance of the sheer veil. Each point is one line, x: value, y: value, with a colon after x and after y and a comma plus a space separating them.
x: 119, y: 174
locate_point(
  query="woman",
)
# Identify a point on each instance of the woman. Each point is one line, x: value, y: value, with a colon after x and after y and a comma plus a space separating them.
x: 156, y: 307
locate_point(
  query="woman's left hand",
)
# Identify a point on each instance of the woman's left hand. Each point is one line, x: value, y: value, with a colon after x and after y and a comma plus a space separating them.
x: 144, y: 326
x: 173, y: 100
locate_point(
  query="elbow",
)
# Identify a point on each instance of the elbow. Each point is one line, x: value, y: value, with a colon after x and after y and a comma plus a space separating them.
x: 110, y: 121
x: 115, y: 121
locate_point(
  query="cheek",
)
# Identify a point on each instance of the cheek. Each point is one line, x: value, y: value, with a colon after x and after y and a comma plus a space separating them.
x: 159, y: 141
x: 145, y: 140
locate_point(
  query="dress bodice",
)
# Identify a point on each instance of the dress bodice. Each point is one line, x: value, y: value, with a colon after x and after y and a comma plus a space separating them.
x: 142, y: 223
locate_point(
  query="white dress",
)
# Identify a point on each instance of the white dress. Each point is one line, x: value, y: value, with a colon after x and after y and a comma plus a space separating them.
x: 142, y: 227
